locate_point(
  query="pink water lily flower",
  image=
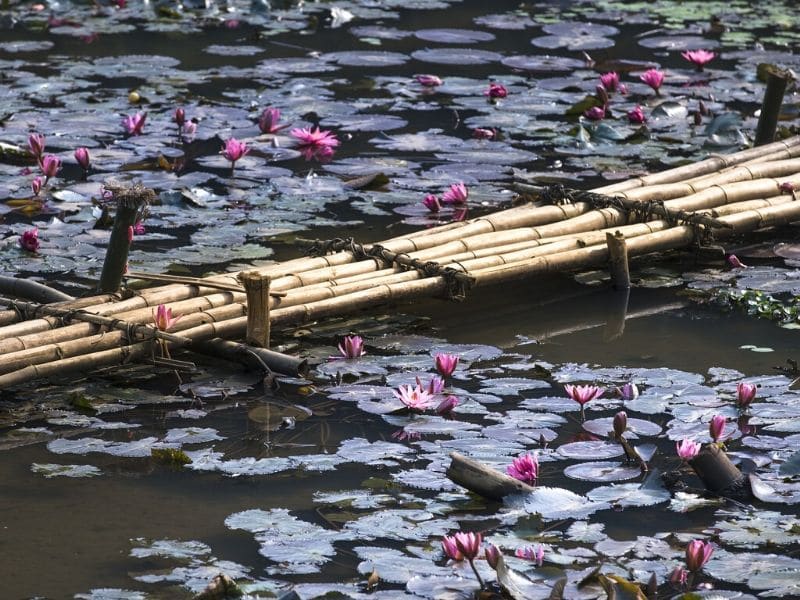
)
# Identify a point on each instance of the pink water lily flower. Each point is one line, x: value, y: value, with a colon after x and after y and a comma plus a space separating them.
x: 36, y: 145
x: 447, y: 405
x: 654, y: 78
x: 428, y: 80
x: 36, y: 185
x: 492, y: 555
x: 234, y: 149
x: 596, y: 113
x: 524, y: 468
x: 734, y: 261
x: 134, y: 124
x: 82, y: 157
x: 431, y: 202
x: 317, y: 137
x: 699, y: 58
x: 352, y: 346
x: 687, y: 449
x: 583, y: 394
x: 451, y: 549
x: 610, y: 81
x: 435, y: 385
x: 698, y: 553
x: 51, y: 165
x: 636, y: 115
x: 179, y: 117
x: 29, y: 240
x: 469, y: 544
x: 268, y: 121
x: 532, y: 554
x: 414, y: 398
x: 163, y: 319
x: 495, y: 91
x: 716, y: 427
x: 446, y: 363
x: 745, y: 393
x: 481, y: 133
x: 457, y: 194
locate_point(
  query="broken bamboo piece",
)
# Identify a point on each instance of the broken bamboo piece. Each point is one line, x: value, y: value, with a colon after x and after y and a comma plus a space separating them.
x: 716, y: 471
x: 777, y: 79
x: 618, y: 260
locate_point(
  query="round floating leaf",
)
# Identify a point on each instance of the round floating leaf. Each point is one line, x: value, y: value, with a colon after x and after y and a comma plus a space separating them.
x: 557, y: 503
x: 454, y: 36
x: 679, y: 42
x: 456, y: 56
x: 590, y: 450
x: 602, y: 471
x: 366, y: 58
x: 629, y: 494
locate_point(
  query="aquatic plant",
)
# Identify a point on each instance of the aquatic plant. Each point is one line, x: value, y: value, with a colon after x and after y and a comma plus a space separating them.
x: 620, y: 423
x: 654, y: 78
x: 687, y: 449
x: 315, y: 143
x: 525, y: 468
x: 464, y: 546
x: 82, y: 158
x: 483, y: 133
x: 698, y: 553
x: 716, y: 427
x: 352, y: 346
x: 269, y: 119
x: 163, y: 319
x: 428, y: 80
x: 698, y: 58
x: 456, y: 194
x: 431, y: 202
x: 535, y: 555
x: 29, y: 240
x: 36, y: 185
x: 445, y: 363
x: 636, y: 115
x: 234, y: 150
x: 734, y: 261
x: 36, y: 144
x: 745, y: 394
x: 595, y: 113
x: 134, y: 124
x: 414, y: 398
x: 495, y: 91
x: 447, y: 405
x: 51, y: 165
x: 583, y: 394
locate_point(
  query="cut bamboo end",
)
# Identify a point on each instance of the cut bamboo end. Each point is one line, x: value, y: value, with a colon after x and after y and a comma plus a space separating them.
x: 618, y: 260
x: 483, y: 480
x: 257, y: 289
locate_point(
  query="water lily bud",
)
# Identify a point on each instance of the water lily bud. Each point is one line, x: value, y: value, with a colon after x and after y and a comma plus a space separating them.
x: 602, y: 94
x: 620, y: 423
x: 492, y: 554
x: 698, y: 119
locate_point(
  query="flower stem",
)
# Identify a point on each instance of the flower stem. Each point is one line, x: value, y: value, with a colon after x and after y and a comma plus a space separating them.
x: 474, y: 570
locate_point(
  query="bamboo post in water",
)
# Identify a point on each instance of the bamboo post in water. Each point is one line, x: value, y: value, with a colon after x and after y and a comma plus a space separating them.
x: 130, y: 201
x: 771, y: 107
x: 257, y: 289
x: 618, y: 260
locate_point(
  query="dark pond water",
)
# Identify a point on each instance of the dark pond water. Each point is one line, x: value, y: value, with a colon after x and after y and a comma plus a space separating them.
x: 312, y: 487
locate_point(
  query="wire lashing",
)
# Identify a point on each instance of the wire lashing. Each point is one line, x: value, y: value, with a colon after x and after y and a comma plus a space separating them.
x: 458, y: 281
x: 637, y: 211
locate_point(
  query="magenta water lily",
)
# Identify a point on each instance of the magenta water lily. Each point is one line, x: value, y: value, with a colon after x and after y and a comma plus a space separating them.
x: 36, y: 185
x: 654, y: 78
x: 481, y: 133
x: 163, y: 318
x: 447, y: 405
x: 51, y: 165
x: 596, y: 113
x: 495, y: 91
x: 464, y: 546
x: 745, y: 394
x: 698, y: 553
x: 636, y: 115
x: 414, y: 398
x: 431, y: 202
x: 352, y: 346
x: 428, y: 80
x: 535, y: 555
x: 524, y: 468
x: 620, y: 423
x: 716, y: 428
x: 687, y: 449
x: 234, y: 150
x: 29, y: 240
x: 699, y: 58
x: 36, y: 145
x: 82, y: 157
x: 446, y: 363
x: 134, y: 124
x: 583, y: 394
x: 269, y: 119
x: 734, y: 261
x: 315, y: 143
x: 457, y: 194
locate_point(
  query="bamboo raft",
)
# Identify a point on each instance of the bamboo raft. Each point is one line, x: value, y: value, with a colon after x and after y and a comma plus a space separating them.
x: 714, y: 199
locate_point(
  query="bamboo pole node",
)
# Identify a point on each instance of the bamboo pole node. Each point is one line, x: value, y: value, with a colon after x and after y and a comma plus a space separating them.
x: 256, y: 287
x: 618, y: 260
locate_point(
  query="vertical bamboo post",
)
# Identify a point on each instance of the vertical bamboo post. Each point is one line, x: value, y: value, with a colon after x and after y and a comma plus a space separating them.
x: 771, y: 107
x: 256, y: 286
x: 618, y: 260
x: 716, y: 470
x: 130, y: 201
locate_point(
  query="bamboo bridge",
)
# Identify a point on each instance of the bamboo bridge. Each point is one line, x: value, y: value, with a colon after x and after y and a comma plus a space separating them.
x: 563, y: 230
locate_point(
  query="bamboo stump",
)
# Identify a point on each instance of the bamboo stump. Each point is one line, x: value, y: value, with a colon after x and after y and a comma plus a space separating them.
x: 130, y: 202
x: 618, y: 260
x: 483, y: 480
x: 777, y: 79
x: 717, y: 472
x: 256, y: 287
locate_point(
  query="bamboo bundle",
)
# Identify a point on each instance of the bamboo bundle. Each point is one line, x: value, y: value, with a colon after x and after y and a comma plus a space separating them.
x: 746, y: 194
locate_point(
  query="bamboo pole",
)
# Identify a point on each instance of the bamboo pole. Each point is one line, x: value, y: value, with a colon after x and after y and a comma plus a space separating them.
x: 618, y: 261
x: 257, y: 288
x: 777, y: 79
